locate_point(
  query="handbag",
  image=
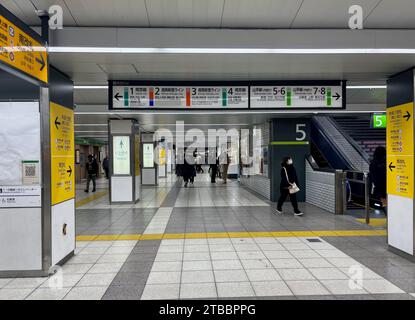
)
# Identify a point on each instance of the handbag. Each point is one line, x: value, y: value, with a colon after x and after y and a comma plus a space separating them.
x: 293, y: 186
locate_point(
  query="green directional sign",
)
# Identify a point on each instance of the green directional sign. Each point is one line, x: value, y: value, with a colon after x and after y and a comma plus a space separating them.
x: 378, y: 121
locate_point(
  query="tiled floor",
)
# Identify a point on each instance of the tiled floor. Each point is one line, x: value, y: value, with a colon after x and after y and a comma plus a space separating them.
x: 216, y: 241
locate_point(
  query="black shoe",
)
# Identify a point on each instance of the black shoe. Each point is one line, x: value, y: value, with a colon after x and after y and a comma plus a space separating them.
x: 279, y: 211
x: 298, y: 213
x: 94, y: 190
x: 86, y: 190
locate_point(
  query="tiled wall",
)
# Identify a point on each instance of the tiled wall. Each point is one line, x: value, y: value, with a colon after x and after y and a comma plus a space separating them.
x: 258, y: 184
x: 320, y: 189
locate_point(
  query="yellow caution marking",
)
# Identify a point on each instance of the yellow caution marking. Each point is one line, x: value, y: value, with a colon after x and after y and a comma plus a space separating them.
x: 374, y: 222
x: 89, y: 199
x: 203, y: 235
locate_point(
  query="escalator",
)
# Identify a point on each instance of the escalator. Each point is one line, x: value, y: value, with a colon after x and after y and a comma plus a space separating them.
x: 334, y: 147
x: 331, y: 147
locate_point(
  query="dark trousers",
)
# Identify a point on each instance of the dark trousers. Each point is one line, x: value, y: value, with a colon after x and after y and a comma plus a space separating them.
x: 213, y: 173
x: 284, y: 193
x: 92, y: 177
x: 107, y: 173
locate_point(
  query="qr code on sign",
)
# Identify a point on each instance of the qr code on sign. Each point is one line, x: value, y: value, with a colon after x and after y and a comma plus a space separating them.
x: 30, y: 171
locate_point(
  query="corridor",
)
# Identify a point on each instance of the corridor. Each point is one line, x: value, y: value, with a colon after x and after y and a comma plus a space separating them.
x: 217, y: 241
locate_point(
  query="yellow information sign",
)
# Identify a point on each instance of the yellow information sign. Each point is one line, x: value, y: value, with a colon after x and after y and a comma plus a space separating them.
x: 62, y: 153
x: 400, y: 150
x: 19, y: 50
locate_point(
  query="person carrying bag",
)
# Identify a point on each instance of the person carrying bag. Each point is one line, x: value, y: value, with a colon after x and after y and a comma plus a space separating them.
x: 288, y: 186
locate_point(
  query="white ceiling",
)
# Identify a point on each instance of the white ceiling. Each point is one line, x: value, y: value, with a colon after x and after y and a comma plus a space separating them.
x: 93, y: 69
x: 221, y: 13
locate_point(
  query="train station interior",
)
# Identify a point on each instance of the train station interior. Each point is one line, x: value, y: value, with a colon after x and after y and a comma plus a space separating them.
x: 207, y: 149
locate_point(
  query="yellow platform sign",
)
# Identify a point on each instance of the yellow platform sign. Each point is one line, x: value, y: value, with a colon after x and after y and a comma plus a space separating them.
x: 400, y: 150
x: 62, y: 153
x: 21, y: 51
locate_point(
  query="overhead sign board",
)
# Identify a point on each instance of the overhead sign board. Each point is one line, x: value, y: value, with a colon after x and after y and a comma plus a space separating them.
x: 400, y: 150
x: 298, y: 96
x: 62, y: 153
x: 21, y: 51
x: 227, y: 95
x: 165, y: 97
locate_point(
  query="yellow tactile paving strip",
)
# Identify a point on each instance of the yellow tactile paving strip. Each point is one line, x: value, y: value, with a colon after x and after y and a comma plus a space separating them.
x: 334, y: 233
x: 91, y: 198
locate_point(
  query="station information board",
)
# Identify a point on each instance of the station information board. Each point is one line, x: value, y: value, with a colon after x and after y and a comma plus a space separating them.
x: 147, y: 97
x: 121, y: 155
x: 62, y: 142
x: 276, y: 97
x: 21, y: 51
x: 400, y: 150
x: 227, y: 95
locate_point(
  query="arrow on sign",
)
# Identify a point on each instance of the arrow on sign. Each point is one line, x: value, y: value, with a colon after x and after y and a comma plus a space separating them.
x: 407, y: 116
x: 391, y: 166
x: 69, y: 171
x: 118, y: 96
x: 337, y: 96
x: 41, y: 61
x: 57, y: 123
x: 121, y: 144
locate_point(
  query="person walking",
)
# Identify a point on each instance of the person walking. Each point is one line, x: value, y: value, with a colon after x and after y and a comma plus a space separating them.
x: 199, y: 168
x: 106, y: 167
x: 288, y: 186
x: 213, y: 167
x: 225, y: 159
x: 92, y: 172
x: 188, y: 169
x: 377, y: 176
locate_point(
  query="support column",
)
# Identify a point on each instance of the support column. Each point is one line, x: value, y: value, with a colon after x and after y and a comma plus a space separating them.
x: 400, y: 163
x: 149, y: 168
x: 289, y: 137
x: 124, y: 161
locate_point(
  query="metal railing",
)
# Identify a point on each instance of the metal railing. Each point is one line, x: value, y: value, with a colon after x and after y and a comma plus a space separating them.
x: 359, y: 178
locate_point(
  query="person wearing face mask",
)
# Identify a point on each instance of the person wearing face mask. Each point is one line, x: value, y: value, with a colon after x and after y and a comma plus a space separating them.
x: 288, y: 180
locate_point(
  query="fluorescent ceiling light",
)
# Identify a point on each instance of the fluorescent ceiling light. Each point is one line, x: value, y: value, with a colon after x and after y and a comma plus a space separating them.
x: 286, y: 112
x: 366, y: 87
x: 231, y: 50
x: 90, y: 131
x: 90, y: 87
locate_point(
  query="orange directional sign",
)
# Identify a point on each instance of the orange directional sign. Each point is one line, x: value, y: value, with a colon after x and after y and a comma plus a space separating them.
x: 21, y: 51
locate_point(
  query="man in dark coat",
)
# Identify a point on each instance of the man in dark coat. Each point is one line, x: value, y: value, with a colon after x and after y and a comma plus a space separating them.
x: 92, y: 172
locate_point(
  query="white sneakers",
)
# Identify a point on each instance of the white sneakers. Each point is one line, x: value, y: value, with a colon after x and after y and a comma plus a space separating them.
x: 297, y: 214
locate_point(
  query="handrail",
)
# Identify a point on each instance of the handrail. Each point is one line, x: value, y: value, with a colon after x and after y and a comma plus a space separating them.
x: 365, y: 182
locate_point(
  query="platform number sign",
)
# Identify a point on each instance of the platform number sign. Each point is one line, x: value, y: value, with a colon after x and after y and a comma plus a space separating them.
x: 379, y: 121
x: 286, y: 97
